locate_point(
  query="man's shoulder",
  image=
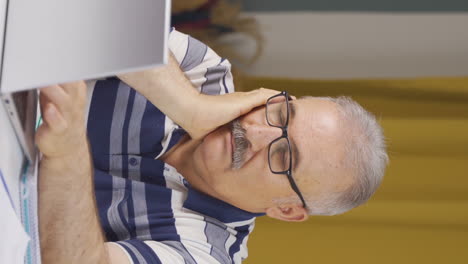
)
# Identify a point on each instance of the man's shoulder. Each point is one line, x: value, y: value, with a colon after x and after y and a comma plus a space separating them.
x: 206, y: 70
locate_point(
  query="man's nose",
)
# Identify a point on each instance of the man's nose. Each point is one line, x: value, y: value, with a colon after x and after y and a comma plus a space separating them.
x: 261, y: 135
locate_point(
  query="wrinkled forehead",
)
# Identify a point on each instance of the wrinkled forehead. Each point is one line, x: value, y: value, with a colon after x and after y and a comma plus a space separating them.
x: 315, y: 126
x: 318, y: 135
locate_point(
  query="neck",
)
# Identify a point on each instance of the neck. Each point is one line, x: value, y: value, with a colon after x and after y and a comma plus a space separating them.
x: 181, y: 157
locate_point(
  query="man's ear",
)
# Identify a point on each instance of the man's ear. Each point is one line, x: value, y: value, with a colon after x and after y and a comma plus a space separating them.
x: 290, y: 213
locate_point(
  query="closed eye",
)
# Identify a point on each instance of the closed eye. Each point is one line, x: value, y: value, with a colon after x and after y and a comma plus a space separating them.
x: 279, y: 156
x: 282, y: 114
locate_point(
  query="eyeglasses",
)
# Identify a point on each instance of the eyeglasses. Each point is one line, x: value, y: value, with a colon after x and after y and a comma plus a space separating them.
x: 279, y: 151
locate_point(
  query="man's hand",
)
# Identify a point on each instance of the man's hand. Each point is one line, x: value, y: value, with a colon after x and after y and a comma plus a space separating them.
x: 169, y: 90
x: 209, y: 112
x: 68, y: 222
x: 63, y: 132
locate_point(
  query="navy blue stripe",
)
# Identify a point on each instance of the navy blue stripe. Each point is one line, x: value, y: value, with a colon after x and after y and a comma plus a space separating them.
x: 224, y: 78
x: 128, y: 185
x: 242, y: 232
x: 151, y: 171
x: 176, y: 136
x: 103, y: 193
x: 128, y: 115
x: 212, y: 207
x: 160, y: 214
x: 182, y: 250
x: 151, y: 131
x: 99, y: 126
x: 224, y: 83
x: 100, y: 119
x: 148, y: 254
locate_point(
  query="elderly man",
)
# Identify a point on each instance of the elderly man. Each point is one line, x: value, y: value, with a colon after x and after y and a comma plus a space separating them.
x: 179, y: 176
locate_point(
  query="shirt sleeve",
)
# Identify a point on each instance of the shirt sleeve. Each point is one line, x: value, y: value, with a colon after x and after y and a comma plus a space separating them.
x: 208, y: 72
x: 170, y: 252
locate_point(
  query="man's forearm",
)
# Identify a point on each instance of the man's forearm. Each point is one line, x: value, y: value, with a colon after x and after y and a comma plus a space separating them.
x: 68, y: 221
x: 168, y: 88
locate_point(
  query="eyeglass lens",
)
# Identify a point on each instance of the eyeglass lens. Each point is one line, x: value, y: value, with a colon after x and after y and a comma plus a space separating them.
x: 277, y: 115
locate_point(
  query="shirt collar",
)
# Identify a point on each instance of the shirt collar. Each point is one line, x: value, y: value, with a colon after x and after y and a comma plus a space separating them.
x: 212, y: 207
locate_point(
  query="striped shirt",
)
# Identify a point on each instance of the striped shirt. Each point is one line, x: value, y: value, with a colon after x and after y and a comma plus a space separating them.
x: 145, y: 206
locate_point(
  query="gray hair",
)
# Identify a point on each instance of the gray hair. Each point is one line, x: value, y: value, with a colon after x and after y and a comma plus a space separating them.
x: 366, y: 156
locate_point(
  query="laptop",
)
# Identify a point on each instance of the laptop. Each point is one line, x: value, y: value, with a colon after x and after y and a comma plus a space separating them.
x: 55, y: 41
x: 21, y: 108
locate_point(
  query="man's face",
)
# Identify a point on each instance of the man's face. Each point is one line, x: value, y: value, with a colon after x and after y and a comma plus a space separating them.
x: 316, y: 151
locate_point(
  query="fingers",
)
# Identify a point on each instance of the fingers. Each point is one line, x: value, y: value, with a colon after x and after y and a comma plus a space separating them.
x: 56, y: 95
x: 75, y: 89
x: 270, y: 93
x: 264, y: 93
x: 64, y: 128
x: 277, y: 99
x: 256, y: 98
x: 64, y: 95
x: 54, y: 119
x: 59, y: 104
x: 51, y: 129
x: 260, y: 96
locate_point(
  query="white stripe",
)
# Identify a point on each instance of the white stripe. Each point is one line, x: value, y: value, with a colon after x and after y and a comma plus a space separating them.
x: 140, y: 210
x: 185, y: 223
x: 113, y: 215
x: 241, y: 223
x: 221, y: 82
x: 197, y: 77
x: 169, y: 127
x: 165, y: 253
x: 189, y: 225
x: 178, y: 44
x: 174, y: 180
x: 197, y: 74
x: 228, y: 78
x: 141, y: 259
x: 230, y: 241
x: 199, y: 254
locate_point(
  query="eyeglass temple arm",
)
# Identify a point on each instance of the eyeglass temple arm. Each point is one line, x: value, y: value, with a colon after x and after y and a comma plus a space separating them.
x: 296, y: 189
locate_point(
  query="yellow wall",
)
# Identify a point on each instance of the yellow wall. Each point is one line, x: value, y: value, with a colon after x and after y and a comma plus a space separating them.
x: 420, y: 213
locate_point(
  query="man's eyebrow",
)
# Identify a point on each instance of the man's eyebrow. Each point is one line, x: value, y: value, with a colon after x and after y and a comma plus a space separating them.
x: 295, y: 151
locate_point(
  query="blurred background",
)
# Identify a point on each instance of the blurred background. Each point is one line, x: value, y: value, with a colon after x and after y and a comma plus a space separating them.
x: 406, y: 62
